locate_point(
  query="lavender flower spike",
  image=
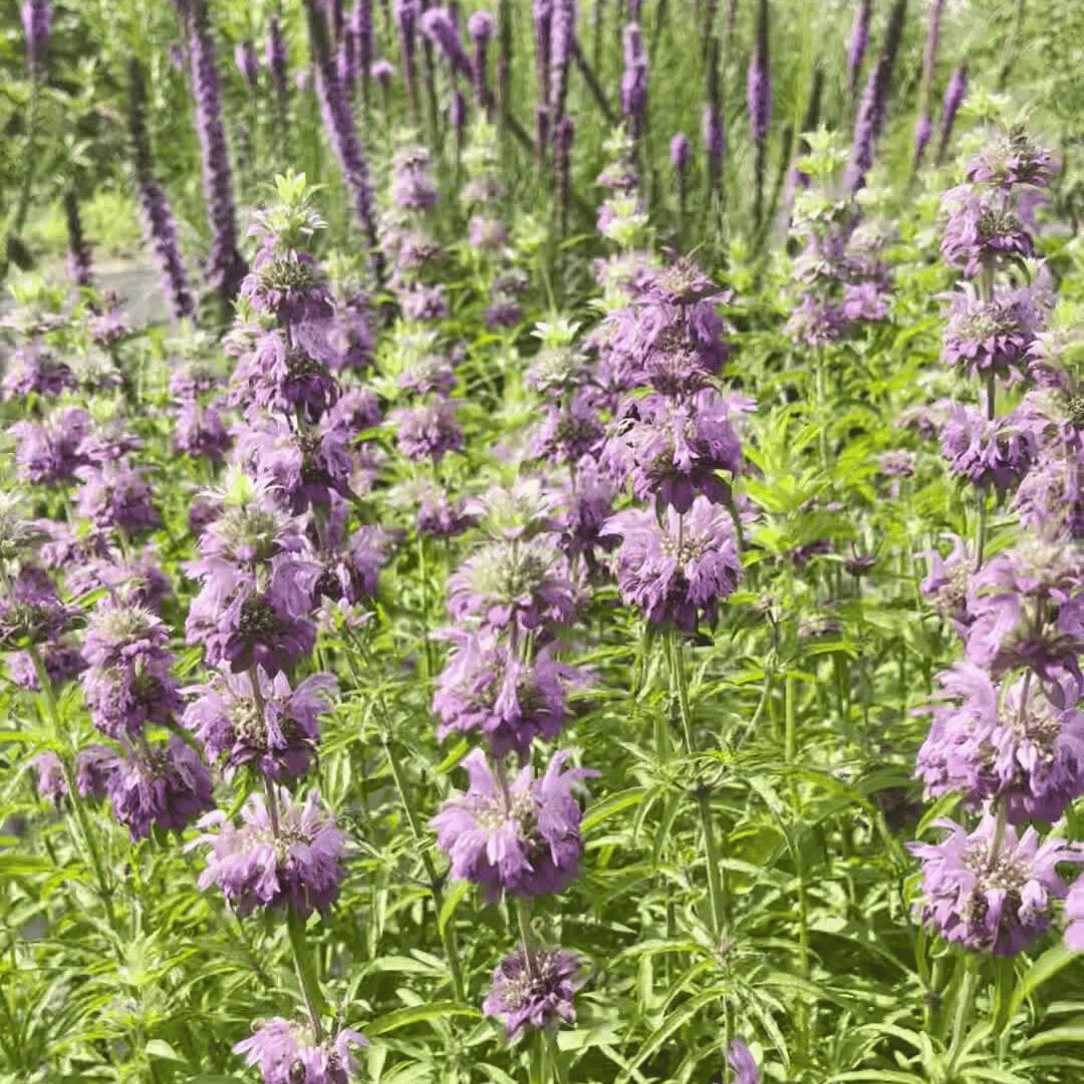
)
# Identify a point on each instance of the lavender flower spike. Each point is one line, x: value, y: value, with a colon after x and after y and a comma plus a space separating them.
x: 758, y: 87
x: 634, y: 81
x: 856, y: 51
x: 37, y: 18
x: 78, y: 249
x: 871, y: 113
x: 361, y: 26
x: 954, y: 96
x: 226, y: 264
x: 562, y: 40
x: 159, y: 227
x: 277, y: 60
x: 437, y: 25
x: 340, y: 123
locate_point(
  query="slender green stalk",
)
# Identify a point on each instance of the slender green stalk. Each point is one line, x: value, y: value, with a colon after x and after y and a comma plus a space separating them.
x: 965, y: 1001
x: 715, y: 886
x: 451, y: 949
x: 74, y: 797
x: 306, y: 973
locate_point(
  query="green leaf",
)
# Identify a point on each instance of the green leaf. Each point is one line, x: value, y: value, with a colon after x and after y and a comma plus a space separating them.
x: 1045, y: 967
x: 416, y: 1014
x: 159, y: 1048
x: 614, y: 804
x: 1070, y: 1033
x: 456, y: 893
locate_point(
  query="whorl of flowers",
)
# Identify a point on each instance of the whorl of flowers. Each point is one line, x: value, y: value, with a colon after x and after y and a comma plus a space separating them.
x: 983, y: 228
x: 990, y: 889
x: 1013, y: 745
x: 521, y: 836
x: 676, y: 572
x: 534, y: 993
x: 278, y: 735
x: 291, y: 859
x: 165, y: 787
x: 288, y: 1053
x: 995, y: 335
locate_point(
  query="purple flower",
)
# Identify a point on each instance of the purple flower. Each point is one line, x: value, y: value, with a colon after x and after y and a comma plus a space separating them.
x: 305, y: 467
x: 758, y: 86
x: 281, y: 375
x: 35, y: 369
x: 129, y: 682
x: 350, y: 571
x: 425, y: 302
x: 287, y: 284
x: 429, y: 432
x: 995, y: 335
x: 676, y: 572
x: 437, y: 25
x: 523, y: 837
x: 163, y: 787
x: 1010, y: 159
x: 200, y: 432
x: 679, y: 154
x: 946, y: 584
x: 280, y: 740
x: 115, y: 495
x: 519, y: 581
x: 248, y: 531
x: 740, y: 1059
x: 991, y: 900
x: 79, y: 256
x: 874, y: 105
x: 1028, y: 610
x: 536, y: 995
x: 923, y: 133
x: 487, y: 687
x: 1074, y: 912
x: 50, y: 772
x: 62, y: 661
x: 989, y: 454
x: 47, y: 451
x: 568, y: 430
x: 982, y: 229
x: 30, y: 608
x: 241, y: 625
x: 412, y: 187
x: 356, y: 410
x: 673, y: 451
x: 289, y: 859
x: 1014, y: 745
x: 93, y: 767
x: 1050, y: 499
x: 288, y: 1053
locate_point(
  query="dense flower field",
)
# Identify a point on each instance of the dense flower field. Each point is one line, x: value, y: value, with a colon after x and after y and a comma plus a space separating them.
x: 560, y: 594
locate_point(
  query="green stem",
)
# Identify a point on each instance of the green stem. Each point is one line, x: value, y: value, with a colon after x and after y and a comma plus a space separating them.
x: 29, y: 168
x: 715, y: 886
x: 966, y: 999
x: 423, y: 574
x: 74, y: 797
x: 451, y: 950
x: 553, y: 1055
x: 523, y: 921
x: 306, y: 973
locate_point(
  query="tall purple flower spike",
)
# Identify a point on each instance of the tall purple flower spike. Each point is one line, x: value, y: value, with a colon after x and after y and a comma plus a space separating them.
x: 226, y: 265
x: 871, y: 112
x: 339, y: 119
x: 159, y: 226
x: 856, y: 50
